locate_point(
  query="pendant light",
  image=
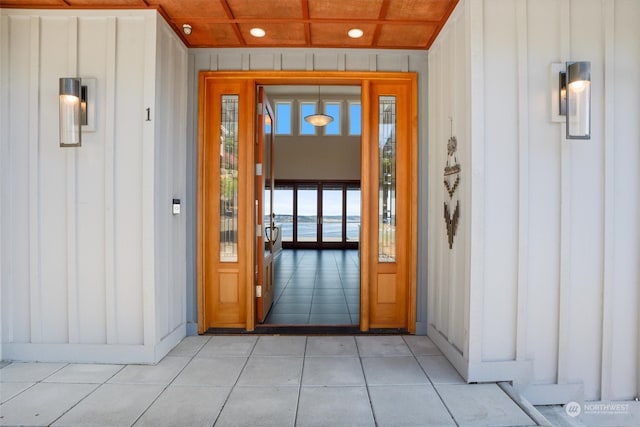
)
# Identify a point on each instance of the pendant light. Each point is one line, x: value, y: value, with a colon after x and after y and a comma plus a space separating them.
x: 318, y: 119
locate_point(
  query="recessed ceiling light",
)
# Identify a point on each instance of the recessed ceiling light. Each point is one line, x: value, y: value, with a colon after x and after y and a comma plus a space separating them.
x: 187, y: 29
x: 355, y: 33
x: 257, y: 32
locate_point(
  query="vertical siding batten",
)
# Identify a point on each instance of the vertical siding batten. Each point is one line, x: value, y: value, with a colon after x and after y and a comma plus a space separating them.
x: 6, y: 330
x: 111, y: 310
x: 35, y: 306
x: 565, y: 217
x: 523, y: 180
x: 608, y: 279
x: 475, y: 14
x: 148, y: 165
x: 71, y: 207
x: 587, y: 222
x: 5, y: 276
x: 423, y: 229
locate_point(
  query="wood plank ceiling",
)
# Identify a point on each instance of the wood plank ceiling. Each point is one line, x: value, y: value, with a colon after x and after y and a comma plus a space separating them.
x: 386, y: 24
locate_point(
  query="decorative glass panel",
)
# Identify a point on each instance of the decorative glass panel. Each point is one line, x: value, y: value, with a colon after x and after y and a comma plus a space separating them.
x: 229, y: 179
x: 387, y: 179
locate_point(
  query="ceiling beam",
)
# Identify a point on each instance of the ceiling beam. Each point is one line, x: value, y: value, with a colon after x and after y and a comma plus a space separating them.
x: 231, y: 20
x: 307, y: 22
x: 384, y: 8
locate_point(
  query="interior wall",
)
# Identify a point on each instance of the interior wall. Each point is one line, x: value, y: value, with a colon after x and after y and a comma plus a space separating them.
x: 84, y: 252
x: 328, y: 158
x: 296, y: 60
x: 552, y: 278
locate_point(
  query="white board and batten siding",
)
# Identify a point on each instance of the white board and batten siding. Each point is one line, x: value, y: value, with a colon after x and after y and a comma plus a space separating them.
x: 93, y: 261
x: 544, y: 272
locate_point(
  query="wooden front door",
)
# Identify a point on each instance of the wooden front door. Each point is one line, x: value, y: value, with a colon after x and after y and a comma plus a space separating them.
x: 265, y: 230
x: 231, y: 196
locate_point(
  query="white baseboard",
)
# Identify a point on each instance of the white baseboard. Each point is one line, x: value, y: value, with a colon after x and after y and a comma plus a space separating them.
x: 94, y: 353
x: 551, y: 394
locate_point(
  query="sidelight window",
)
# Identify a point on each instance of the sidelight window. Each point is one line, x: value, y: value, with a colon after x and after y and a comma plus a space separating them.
x: 387, y: 179
x: 229, y: 179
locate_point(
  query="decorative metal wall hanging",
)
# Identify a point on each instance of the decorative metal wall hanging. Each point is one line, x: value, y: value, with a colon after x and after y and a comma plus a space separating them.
x: 451, y: 183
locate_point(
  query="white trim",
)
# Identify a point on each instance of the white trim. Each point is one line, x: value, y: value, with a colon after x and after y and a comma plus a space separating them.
x: 565, y: 221
x: 452, y: 354
x: 169, y: 341
x: 503, y: 370
x: 552, y: 394
x: 5, y: 272
x: 475, y: 298
x: 71, y: 202
x: 35, y: 284
x: 109, y: 184
x: 148, y: 184
x: 523, y: 180
x: 94, y: 353
x: 609, y: 189
x: 80, y: 353
x: 43, y: 12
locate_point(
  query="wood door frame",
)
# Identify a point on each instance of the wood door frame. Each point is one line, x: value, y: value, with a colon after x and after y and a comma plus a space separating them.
x: 344, y: 78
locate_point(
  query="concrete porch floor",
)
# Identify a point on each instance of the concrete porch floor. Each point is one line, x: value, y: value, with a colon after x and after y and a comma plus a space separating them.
x: 249, y: 380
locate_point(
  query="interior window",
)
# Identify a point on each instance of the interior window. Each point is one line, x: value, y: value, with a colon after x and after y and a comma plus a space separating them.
x: 355, y: 118
x: 283, y: 118
x: 332, y: 109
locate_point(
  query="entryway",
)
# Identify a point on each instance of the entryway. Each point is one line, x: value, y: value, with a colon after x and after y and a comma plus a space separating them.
x: 316, y: 287
x: 231, y: 178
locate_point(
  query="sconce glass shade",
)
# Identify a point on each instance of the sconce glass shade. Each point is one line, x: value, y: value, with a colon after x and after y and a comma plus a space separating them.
x: 578, y: 100
x: 83, y: 106
x: 318, y: 120
x: 70, y: 116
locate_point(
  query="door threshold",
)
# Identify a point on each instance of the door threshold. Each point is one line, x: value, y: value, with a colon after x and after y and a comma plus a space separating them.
x: 308, y: 329
x: 272, y: 329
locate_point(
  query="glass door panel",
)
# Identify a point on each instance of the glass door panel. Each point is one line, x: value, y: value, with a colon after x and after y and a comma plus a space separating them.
x: 353, y: 214
x: 307, y: 213
x: 332, y: 213
x: 283, y: 211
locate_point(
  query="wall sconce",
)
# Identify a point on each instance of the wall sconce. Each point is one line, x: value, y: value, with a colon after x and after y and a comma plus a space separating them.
x: 77, y: 109
x: 70, y: 91
x: 573, y: 98
x: 579, y: 100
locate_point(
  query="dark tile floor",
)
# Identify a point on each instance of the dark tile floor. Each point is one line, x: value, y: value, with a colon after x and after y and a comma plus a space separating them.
x: 316, y: 287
